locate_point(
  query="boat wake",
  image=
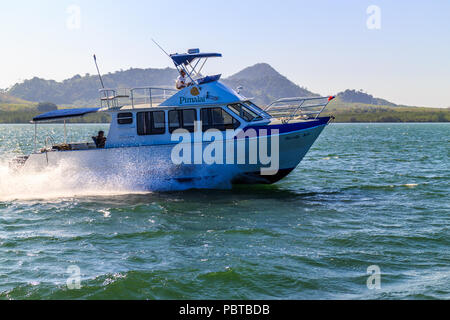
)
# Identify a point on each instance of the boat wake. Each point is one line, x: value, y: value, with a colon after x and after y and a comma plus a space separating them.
x: 70, y: 179
x: 55, y: 182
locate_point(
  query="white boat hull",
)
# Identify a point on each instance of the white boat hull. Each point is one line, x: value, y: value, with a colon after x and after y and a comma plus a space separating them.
x: 151, y: 167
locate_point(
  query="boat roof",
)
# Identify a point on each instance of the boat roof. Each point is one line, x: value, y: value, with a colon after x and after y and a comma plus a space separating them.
x: 210, y: 93
x: 185, y: 58
x: 64, y: 114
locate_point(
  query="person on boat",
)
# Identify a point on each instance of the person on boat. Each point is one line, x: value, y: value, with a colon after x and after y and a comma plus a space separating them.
x: 182, y: 80
x: 100, y: 140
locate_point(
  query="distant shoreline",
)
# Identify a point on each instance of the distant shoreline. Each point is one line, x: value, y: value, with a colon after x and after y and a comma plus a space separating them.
x: 350, y: 113
x: 107, y: 123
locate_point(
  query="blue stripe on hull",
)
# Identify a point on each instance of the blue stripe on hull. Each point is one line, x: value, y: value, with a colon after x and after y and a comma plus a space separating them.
x: 292, y: 126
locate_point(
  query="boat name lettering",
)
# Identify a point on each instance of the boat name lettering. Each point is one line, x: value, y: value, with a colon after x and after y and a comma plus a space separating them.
x: 184, y: 100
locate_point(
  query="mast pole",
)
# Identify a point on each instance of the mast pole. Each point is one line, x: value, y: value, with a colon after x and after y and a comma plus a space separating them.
x: 161, y: 48
x: 98, y: 71
x: 101, y: 79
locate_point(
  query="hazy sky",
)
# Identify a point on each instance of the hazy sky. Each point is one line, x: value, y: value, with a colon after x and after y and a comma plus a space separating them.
x: 325, y: 46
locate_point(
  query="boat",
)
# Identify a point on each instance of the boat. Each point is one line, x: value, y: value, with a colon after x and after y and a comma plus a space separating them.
x: 205, y: 135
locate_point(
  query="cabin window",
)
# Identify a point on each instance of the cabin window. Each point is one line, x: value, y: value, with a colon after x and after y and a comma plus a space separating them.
x: 217, y: 118
x: 184, y: 119
x: 244, y: 112
x: 174, y: 120
x: 151, y: 122
x: 158, y: 122
x: 205, y: 117
x: 125, y: 118
x: 189, y: 117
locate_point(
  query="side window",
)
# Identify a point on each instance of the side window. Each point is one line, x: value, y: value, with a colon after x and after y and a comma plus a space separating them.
x: 125, y: 118
x: 218, y: 118
x: 158, y: 122
x: 205, y: 118
x: 189, y: 117
x: 174, y: 120
x: 149, y: 123
x: 143, y: 123
x: 182, y: 119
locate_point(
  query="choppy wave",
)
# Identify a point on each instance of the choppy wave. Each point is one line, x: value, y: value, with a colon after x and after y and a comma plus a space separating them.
x: 230, y: 283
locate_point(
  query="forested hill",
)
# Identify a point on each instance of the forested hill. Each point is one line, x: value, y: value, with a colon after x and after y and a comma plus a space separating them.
x: 83, y: 90
x: 261, y: 82
x: 265, y: 84
x: 353, y: 96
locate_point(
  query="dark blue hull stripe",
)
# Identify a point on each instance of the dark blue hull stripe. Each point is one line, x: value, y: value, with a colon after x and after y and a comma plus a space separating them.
x: 292, y: 126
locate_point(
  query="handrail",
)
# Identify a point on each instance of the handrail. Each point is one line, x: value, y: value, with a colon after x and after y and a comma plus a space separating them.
x: 117, y: 98
x: 287, y: 109
x: 52, y: 141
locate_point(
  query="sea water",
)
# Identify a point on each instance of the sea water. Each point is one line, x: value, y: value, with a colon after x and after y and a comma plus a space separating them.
x: 366, y: 197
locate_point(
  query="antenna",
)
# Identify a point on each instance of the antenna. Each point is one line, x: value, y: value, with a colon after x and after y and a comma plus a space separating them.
x: 98, y: 71
x: 161, y: 48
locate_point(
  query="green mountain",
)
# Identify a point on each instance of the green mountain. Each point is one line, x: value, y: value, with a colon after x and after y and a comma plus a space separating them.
x: 11, y: 103
x: 261, y: 82
x: 353, y: 96
x: 81, y: 91
x: 264, y: 84
x: 9, y: 99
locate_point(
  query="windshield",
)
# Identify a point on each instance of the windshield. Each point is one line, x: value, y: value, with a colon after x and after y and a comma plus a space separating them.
x: 257, y: 109
x: 244, y: 112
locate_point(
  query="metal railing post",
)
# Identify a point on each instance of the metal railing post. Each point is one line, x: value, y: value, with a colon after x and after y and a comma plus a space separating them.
x: 65, y: 132
x: 296, y: 110
x: 112, y: 97
x: 151, y: 100
x: 35, y: 136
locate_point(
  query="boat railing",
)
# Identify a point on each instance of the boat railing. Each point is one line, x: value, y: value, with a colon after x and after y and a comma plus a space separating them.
x: 134, y: 97
x: 287, y: 109
x: 49, y: 142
